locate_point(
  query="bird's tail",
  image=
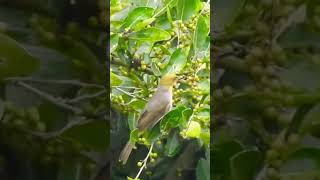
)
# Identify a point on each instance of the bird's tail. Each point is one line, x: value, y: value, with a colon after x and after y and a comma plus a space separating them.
x: 125, y: 153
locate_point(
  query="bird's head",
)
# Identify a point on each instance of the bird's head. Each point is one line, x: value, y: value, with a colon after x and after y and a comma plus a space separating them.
x: 168, y: 80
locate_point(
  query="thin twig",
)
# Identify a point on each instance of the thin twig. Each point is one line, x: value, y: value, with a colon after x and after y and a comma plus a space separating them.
x: 50, y: 98
x: 129, y: 94
x: 65, y: 82
x: 144, y: 165
x: 85, y: 97
x: 53, y: 134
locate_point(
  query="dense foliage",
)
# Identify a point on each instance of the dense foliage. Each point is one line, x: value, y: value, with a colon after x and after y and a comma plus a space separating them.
x: 52, y: 97
x: 147, y: 40
x: 266, y: 94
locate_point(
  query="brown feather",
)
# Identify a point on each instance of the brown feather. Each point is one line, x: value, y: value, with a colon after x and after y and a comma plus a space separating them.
x: 126, y: 152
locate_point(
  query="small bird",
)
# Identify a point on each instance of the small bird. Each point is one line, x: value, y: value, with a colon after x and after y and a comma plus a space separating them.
x: 159, y: 104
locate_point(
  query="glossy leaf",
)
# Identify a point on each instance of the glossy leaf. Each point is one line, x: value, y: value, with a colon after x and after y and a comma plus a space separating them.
x: 150, y: 35
x: 246, y: 164
x: 136, y: 15
x: 186, y: 8
x: 172, y: 119
x: 134, y: 136
x: 143, y: 24
x: 193, y: 130
x: 114, y: 39
x: 222, y: 154
x: 114, y: 80
x: 301, y: 74
x: 132, y: 121
x: 225, y: 12
x: 203, y: 169
x: 177, y: 61
x: 154, y: 134
x: 173, y: 145
x: 15, y: 60
x: 155, y: 69
x: 200, y: 38
x: 299, y: 36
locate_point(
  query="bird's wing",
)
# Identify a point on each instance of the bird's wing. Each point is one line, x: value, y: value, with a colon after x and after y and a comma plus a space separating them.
x: 154, y: 110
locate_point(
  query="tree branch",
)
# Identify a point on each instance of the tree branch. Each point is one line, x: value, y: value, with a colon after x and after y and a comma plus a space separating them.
x: 64, y: 82
x: 50, y: 98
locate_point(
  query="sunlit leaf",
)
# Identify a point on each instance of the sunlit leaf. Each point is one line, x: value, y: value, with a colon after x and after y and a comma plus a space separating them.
x: 187, y: 8
x: 200, y: 39
x: 150, y: 35
x: 134, y: 136
x: 136, y: 15
x: 177, y: 62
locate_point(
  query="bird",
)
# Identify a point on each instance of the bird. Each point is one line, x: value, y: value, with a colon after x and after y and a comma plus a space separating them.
x: 159, y: 104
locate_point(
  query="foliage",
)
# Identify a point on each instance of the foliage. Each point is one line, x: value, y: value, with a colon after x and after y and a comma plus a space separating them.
x: 52, y: 97
x: 265, y: 90
x: 147, y: 40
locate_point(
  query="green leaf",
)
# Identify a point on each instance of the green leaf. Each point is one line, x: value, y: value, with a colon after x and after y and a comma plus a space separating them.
x: 311, y: 122
x: 94, y: 134
x: 15, y: 60
x: 203, y: 169
x: 299, y: 36
x: 205, y: 137
x: 301, y: 175
x: 154, y: 134
x: 142, y: 24
x: 136, y: 15
x: 83, y: 58
x: 172, y: 119
x: 186, y: 114
x: 150, y: 35
x: 173, y: 145
x: 302, y: 74
x: 155, y: 69
x: 193, y: 130
x: 302, y: 164
x: 246, y: 164
x: 134, y: 136
x: 114, y: 80
x: 114, y: 39
x: 225, y: 12
x: 132, y: 120
x: 187, y: 8
x: 137, y: 104
x: 177, y: 62
x: 200, y: 37
x: 118, y: 16
x: 205, y: 86
x: 222, y: 154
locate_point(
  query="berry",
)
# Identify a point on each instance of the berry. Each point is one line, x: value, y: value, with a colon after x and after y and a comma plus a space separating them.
x: 139, y: 164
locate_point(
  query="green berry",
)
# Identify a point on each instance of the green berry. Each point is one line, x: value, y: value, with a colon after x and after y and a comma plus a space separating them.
x: 93, y: 21
x: 293, y: 139
x: 271, y: 112
x: 139, y: 164
x: 32, y: 113
x: 41, y: 127
x: 272, y: 154
x: 227, y: 91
